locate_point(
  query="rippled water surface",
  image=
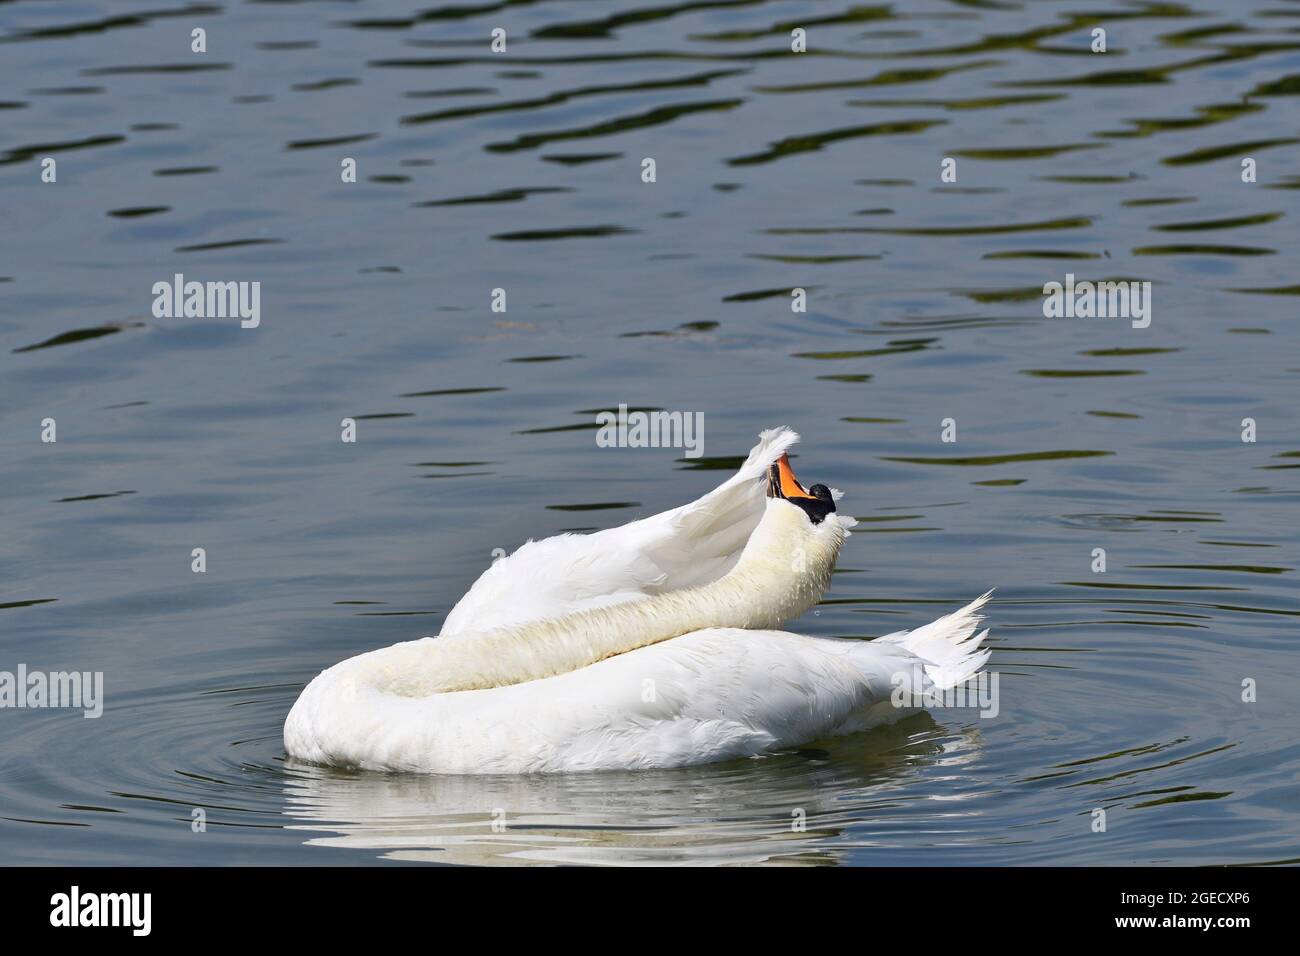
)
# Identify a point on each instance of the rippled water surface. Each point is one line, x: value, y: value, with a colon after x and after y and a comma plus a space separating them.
x: 1119, y: 690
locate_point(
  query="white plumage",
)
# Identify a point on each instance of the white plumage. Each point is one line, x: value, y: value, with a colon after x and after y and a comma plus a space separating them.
x: 648, y: 645
x: 687, y: 546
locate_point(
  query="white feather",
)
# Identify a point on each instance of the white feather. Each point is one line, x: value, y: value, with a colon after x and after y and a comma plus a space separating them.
x: 687, y: 546
x: 710, y: 695
x: 539, y: 670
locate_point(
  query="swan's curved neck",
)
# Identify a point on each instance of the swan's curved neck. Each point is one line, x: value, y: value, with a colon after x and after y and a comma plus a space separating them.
x: 782, y: 572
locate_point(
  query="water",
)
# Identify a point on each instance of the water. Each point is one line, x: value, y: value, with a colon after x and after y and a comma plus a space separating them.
x: 522, y: 171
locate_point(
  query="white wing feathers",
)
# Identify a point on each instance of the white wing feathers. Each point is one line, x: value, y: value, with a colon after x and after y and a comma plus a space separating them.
x: 685, y: 547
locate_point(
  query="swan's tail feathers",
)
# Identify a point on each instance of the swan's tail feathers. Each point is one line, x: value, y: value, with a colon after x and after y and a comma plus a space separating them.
x: 949, y: 648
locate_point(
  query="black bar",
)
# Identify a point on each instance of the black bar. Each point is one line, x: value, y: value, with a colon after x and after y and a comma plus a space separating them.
x: 300, y: 905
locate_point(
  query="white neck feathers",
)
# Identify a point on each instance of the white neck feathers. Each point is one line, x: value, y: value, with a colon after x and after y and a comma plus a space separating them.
x: 784, y: 570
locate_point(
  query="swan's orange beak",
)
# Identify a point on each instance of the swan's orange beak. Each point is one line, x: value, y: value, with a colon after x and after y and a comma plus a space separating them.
x: 781, y: 482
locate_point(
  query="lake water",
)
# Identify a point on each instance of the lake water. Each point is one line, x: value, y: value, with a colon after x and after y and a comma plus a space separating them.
x: 1120, y: 690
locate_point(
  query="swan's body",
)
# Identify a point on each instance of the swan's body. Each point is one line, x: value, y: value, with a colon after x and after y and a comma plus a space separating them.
x: 649, y: 645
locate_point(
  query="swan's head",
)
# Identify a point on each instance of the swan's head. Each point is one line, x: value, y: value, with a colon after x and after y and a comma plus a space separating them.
x: 816, y: 502
x: 802, y: 521
x: 789, y: 558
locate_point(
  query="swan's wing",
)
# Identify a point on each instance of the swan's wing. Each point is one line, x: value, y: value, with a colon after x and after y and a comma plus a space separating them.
x: 701, y: 541
x: 687, y: 546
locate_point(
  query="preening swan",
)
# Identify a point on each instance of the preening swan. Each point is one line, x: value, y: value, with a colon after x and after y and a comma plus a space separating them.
x: 648, y: 645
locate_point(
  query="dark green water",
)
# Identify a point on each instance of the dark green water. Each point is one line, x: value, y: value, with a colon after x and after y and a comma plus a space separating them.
x: 1119, y: 690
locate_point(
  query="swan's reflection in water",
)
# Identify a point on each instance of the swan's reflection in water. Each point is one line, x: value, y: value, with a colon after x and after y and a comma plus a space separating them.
x: 790, y: 808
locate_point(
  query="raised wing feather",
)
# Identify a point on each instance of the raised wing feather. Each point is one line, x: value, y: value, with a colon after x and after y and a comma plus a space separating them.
x: 685, y: 547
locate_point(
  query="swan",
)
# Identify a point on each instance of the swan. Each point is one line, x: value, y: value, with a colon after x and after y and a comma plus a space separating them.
x: 651, y: 645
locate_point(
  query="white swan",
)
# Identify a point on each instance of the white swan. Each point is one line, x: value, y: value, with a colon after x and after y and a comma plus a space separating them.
x: 649, y: 645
